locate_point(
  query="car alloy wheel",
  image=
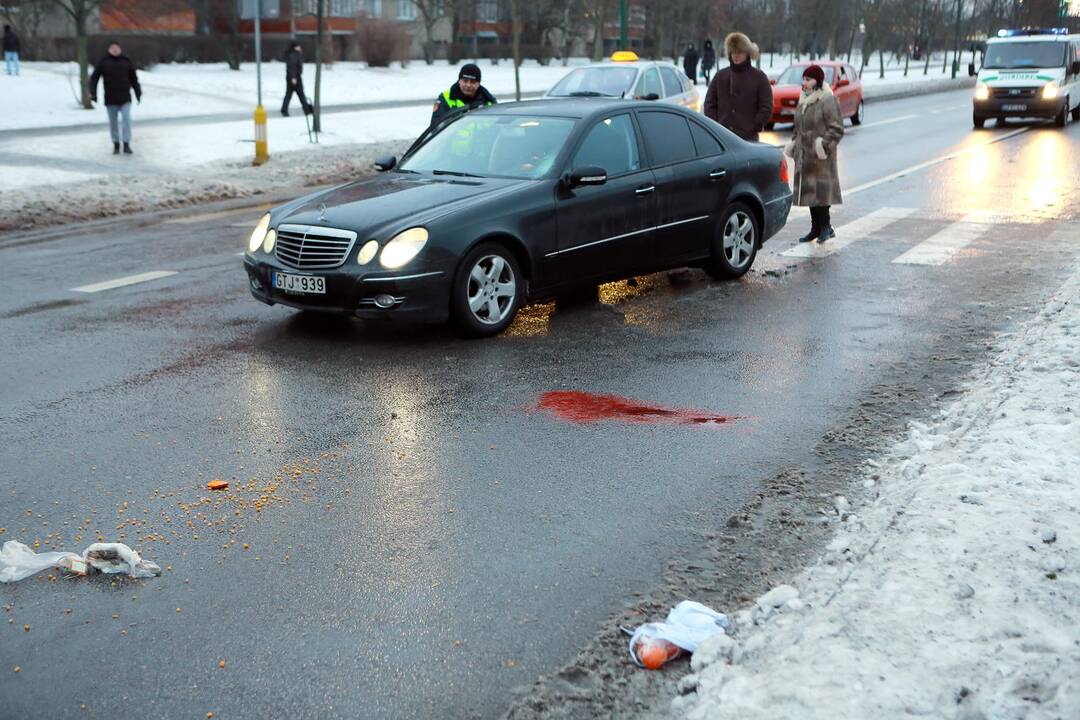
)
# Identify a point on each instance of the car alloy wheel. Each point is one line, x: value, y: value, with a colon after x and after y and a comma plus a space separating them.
x: 739, y: 239
x: 735, y: 243
x: 857, y: 118
x: 492, y: 290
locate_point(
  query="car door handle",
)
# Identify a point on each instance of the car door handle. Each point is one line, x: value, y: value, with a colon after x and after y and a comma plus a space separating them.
x: 718, y: 174
x: 645, y: 190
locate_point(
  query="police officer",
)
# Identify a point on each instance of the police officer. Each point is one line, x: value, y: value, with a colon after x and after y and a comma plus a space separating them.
x: 466, y: 92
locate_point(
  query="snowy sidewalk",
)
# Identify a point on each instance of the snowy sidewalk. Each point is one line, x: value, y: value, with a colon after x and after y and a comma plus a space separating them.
x: 955, y: 591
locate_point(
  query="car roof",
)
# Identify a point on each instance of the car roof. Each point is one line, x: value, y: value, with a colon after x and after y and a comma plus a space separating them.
x: 808, y: 63
x: 577, y: 107
x: 642, y: 64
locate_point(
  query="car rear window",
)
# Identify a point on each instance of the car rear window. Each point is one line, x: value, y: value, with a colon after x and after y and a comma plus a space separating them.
x: 672, y: 86
x: 667, y: 137
x: 706, y: 144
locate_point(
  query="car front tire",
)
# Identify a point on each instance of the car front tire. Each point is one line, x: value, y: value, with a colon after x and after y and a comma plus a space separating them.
x: 1062, y: 117
x: 979, y: 122
x: 857, y: 118
x: 487, y: 291
x: 734, y: 244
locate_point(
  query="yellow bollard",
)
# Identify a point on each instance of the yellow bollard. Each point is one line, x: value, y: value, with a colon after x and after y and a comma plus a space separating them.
x: 261, y: 152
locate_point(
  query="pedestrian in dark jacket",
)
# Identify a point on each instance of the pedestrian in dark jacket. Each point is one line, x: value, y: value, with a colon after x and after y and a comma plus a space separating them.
x: 118, y: 73
x: 819, y: 127
x: 708, y: 61
x: 294, y: 83
x: 740, y: 96
x: 467, y: 92
x: 689, y: 63
x: 11, y: 51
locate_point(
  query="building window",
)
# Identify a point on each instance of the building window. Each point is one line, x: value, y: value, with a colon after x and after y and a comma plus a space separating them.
x: 487, y: 11
x: 270, y: 9
x: 371, y: 8
x: 332, y: 8
x: 406, y: 10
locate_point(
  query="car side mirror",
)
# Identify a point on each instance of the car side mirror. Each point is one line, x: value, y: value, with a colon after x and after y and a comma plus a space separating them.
x: 842, y: 83
x: 971, y: 70
x: 651, y: 96
x: 385, y: 163
x: 586, y: 175
x: 1076, y: 67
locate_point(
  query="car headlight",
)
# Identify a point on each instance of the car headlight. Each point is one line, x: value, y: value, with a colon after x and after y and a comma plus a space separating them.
x: 367, y: 252
x: 269, y: 240
x: 982, y: 92
x: 403, y: 247
x: 1050, y: 91
x: 259, y: 233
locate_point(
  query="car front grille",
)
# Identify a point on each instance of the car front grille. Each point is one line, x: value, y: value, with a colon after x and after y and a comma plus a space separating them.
x: 1015, y: 93
x: 311, y: 247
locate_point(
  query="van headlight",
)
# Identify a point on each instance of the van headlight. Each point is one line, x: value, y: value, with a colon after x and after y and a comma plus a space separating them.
x: 982, y: 92
x: 1050, y: 91
x: 403, y: 247
x: 259, y: 233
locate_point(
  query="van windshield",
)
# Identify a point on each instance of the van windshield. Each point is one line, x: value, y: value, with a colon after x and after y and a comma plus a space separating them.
x: 1014, y: 56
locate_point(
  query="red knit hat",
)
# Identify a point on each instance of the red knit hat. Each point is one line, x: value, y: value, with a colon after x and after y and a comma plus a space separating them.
x: 815, y: 71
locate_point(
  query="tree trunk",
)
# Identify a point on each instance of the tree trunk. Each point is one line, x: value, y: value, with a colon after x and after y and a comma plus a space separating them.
x: 81, y: 55
x: 515, y: 30
x: 598, y: 32
x: 316, y: 125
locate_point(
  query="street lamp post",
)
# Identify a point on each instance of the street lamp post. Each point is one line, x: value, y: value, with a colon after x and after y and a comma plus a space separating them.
x: 622, y: 25
x: 261, y: 152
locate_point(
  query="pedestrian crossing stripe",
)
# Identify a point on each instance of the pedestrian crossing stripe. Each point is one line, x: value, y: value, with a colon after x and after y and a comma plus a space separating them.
x: 851, y: 232
x: 943, y: 245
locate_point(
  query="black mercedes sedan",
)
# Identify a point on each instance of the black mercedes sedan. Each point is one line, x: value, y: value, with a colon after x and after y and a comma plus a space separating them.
x: 519, y: 203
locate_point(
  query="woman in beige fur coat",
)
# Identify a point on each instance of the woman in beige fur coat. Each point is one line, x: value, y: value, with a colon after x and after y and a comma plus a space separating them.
x: 818, y: 129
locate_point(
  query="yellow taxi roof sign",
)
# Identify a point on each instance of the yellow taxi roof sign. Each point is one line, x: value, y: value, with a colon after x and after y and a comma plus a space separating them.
x: 624, y: 56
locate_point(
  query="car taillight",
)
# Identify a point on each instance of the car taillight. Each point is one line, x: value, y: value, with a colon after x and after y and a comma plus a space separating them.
x: 784, y: 177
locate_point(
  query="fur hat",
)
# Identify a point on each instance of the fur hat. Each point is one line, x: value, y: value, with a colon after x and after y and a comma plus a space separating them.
x: 815, y: 71
x: 739, y: 42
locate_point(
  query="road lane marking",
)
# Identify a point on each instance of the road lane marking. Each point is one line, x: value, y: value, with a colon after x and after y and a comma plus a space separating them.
x: 851, y: 232
x: 943, y: 245
x: 935, y: 161
x: 879, y: 123
x: 124, y: 281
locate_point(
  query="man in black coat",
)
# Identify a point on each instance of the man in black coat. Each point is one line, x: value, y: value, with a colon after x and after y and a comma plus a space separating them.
x: 689, y: 63
x: 11, y: 51
x: 294, y: 83
x: 118, y: 73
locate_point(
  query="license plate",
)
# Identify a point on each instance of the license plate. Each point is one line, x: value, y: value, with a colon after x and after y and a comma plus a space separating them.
x: 1013, y: 107
x: 785, y: 111
x: 300, y: 284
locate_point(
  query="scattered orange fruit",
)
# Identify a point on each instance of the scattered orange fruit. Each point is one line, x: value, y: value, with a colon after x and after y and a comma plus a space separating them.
x: 217, y: 485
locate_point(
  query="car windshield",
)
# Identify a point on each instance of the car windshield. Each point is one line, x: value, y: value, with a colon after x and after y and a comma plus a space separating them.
x: 793, y: 75
x: 611, y: 81
x: 493, y: 145
x: 1013, y: 56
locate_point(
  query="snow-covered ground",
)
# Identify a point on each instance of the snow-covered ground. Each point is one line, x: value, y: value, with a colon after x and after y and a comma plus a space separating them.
x: 45, y: 94
x: 952, y: 589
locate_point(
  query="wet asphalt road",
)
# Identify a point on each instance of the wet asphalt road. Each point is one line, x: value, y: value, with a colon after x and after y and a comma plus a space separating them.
x: 405, y: 535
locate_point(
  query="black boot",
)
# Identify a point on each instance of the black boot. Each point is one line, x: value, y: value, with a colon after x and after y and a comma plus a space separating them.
x: 815, y: 227
x: 116, y: 148
x: 284, y: 112
x: 825, y: 223
x: 127, y: 149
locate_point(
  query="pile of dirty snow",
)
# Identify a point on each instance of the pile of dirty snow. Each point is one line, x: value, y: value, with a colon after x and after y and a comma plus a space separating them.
x: 954, y: 592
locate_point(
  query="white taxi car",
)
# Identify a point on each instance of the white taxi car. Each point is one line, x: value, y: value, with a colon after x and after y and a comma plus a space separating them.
x: 627, y: 76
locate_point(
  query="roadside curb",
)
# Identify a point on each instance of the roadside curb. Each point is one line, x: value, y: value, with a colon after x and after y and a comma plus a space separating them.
x: 929, y: 87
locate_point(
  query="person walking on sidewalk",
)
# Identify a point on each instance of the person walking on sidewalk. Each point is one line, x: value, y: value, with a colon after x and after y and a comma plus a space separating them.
x: 708, y: 61
x: 689, y: 63
x: 466, y: 92
x: 118, y: 74
x: 294, y: 83
x: 819, y: 127
x: 740, y: 96
x: 11, y: 51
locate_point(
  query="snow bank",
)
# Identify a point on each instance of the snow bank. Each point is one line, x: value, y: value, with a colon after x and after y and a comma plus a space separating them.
x: 955, y: 590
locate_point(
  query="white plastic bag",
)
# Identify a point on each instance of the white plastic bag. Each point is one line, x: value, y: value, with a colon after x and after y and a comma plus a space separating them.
x: 688, y: 625
x: 17, y: 561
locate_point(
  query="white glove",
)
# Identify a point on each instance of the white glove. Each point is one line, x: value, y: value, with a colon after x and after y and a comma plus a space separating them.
x: 789, y: 148
x: 819, y: 149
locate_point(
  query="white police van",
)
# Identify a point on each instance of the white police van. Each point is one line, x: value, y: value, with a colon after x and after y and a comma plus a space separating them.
x: 1029, y: 73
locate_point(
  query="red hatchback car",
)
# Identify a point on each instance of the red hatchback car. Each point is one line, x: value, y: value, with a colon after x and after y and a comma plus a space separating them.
x: 841, y: 77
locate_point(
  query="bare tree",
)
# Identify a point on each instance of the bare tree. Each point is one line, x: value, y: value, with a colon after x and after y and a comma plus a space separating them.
x: 80, y: 11
x: 429, y: 18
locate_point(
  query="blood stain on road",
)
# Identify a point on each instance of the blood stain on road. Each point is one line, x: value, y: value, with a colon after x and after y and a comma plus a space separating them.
x: 584, y: 408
